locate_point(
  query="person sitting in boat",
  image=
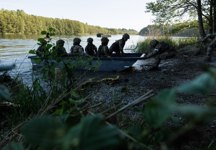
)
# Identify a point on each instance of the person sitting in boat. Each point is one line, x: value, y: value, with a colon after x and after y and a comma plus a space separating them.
x: 42, y: 48
x: 91, y: 49
x: 77, y: 49
x: 160, y: 50
x: 103, y: 50
x: 59, y: 49
x: 118, y: 46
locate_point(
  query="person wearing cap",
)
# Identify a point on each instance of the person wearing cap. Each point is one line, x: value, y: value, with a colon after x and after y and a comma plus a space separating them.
x: 103, y: 50
x: 77, y: 49
x: 42, y: 48
x: 59, y: 49
x: 159, y: 50
x: 118, y: 46
x: 91, y: 49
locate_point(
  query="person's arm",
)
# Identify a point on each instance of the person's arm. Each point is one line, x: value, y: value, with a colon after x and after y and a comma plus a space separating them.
x: 95, y: 50
x: 152, y: 54
x: 121, y: 47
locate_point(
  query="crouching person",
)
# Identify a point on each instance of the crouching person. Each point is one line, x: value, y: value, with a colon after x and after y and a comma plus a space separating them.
x: 159, y: 51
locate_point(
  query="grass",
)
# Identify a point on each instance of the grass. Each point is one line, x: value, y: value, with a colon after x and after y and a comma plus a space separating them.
x: 143, y: 46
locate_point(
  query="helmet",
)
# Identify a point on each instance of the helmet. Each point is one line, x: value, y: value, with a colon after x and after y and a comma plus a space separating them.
x: 104, y: 39
x: 90, y: 40
x: 126, y: 36
x: 60, y: 42
x: 153, y: 43
x: 76, y: 41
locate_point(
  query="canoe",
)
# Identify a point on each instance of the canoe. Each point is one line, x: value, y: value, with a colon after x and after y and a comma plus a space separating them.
x: 109, y: 64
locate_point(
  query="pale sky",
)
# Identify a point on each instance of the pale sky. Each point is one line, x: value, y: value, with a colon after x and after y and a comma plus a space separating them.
x: 129, y: 14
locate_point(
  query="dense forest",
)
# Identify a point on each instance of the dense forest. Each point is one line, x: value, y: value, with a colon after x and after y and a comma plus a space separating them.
x: 187, y: 28
x: 18, y: 22
x: 169, y: 11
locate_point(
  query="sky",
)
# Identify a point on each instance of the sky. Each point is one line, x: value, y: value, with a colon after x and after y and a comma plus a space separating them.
x: 129, y: 14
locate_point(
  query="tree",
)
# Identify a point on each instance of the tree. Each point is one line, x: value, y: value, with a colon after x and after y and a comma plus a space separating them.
x: 204, y: 10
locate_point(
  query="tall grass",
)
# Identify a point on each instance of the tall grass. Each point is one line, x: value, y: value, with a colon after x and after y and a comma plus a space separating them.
x: 143, y: 47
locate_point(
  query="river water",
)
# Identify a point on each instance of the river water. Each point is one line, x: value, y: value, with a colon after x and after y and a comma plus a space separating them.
x: 15, y: 50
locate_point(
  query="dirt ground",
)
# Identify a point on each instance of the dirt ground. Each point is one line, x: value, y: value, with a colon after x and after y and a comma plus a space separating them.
x: 110, y: 96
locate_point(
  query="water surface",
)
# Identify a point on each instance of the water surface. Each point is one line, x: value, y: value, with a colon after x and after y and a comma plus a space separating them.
x: 15, y: 50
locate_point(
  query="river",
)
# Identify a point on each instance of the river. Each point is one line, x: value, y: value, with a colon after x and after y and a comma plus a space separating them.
x: 15, y: 50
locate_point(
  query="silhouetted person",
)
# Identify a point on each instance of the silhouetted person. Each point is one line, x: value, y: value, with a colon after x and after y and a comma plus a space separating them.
x: 77, y: 49
x: 103, y: 49
x: 91, y: 49
x: 42, y: 48
x: 59, y: 49
x: 159, y: 50
x: 118, y: 46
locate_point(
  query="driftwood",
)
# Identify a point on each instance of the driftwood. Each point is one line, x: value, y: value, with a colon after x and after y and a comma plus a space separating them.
x: 95, y: 81
x: 142, y: 98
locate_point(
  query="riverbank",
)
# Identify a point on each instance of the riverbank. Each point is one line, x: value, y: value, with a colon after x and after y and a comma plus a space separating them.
x: 124, y: 88
x: 113, y: 94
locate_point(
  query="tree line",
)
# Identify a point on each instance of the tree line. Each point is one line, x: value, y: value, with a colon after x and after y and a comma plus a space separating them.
x: 18, y: 22
x: 172, y: 10
x: 187, y: 29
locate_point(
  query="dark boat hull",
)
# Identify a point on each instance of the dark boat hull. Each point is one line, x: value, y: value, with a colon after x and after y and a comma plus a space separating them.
x: 110, y: 64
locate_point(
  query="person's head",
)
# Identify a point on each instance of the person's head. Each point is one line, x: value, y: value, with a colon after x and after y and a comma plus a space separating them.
x: 153, y: 43
x: 90, y: 40
x: 104, y: 41
x: 76, y: 41
x: 60, y: 42
x: 125, y: 37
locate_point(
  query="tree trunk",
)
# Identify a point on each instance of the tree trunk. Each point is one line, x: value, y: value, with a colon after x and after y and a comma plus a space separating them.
x: 214, y: 16
x: 211, y: 21
x: 200, y: 20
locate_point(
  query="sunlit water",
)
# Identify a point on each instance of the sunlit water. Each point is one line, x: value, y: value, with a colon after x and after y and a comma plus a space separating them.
x: 15, y: 50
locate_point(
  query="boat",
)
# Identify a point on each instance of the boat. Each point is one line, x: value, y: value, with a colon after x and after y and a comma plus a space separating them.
x: 110, y: 64
x: 103, y: 35
x: 7, y: 67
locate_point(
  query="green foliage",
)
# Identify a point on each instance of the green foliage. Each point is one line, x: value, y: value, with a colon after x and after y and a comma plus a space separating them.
x: 18, y: 22
x: 160, y: 108
x: 13, y: 146
x: 91, y: 133
x: 46, y: 132
x: 201, y: 84
x: 181, y: 42
x: 143, y: 47
x: 164, y: 104
x: 32, y: 51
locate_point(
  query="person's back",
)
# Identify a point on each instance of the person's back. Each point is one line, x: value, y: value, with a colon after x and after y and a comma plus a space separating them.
x: 59, y: 49
x: 118, y: 45
x: 77, y: 49
x: 103, y: 49
x: 91, y: 49
x: 41, y: 49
